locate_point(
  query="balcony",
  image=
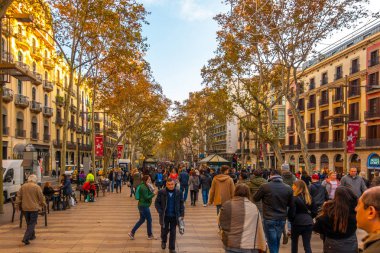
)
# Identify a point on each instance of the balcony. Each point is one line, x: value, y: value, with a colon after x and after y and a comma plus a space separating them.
x: 353, y: 117
x: 21, y: 101
x: 5, y: 131
x: 46, y: 138
x: 290, y: 129
x: 22, y: 41
x: 59, y: 121
x: 47, y: 112
x: 71, y: 145
x: 88, y: 131
x: 324, y: 81
x: 337, y: 144
x: 34, y: 135
x: 301, y: 107
x: 324, y: 145
x: 338, y: 97
x: 57, y: 143
x: 373, y: 61
x: 73, y: 108
x: 80, y: 129
x: 354, y: 69
x: 323, y: 101
x: 323, y: 123
x: 48, y: 86
x: 71, y: 125
x: 338, y: 76
x: 353, y: 91
x: 311, y: 86
x: 310, y: 125
x: 35, y: 107
x: 36, y: 54
x: 372, y: 115
x: 373, y: 142
x: 17, y: 69
x: 290, y: 113
x: 337, y: 121
x: 7, y: 95
x: 48, y: 64
x: 60, y: 101
x: 58, y: 83
x: 37, y: 78
x: 311, y: 105
x: 20, y: 133
x: 312, y: 145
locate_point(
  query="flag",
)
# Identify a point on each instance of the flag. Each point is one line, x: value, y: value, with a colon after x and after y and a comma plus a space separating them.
x: 99, y: 145
x: 352, y: 135
x: 119, y: 151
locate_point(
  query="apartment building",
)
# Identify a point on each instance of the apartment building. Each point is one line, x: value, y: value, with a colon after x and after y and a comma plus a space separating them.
x: 340, y: 86
x: 35, y: 82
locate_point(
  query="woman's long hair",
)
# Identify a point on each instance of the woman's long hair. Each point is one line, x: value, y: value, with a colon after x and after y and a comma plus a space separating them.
x: 301, y: 189
x: 340, y: 208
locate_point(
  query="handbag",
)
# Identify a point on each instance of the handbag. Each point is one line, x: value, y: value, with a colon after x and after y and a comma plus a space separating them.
x: 181, y: 225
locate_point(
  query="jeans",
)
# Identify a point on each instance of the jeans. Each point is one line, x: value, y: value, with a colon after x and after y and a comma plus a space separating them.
x: 193, y: 196
x: 169, y: 225
x: 205, y: 196
x: 273, y: 230
x: 111, y: 185
x: 305, y: 232
x: 184, y: 190
x: 144, y: 215
x: 31, y: 221
x: 118, y: 185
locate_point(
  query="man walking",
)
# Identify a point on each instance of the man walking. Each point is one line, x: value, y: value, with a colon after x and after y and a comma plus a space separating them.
x: 170, y: 207
x: 318, y: 192
x: 184, y: 183
x: 30, y: 199
x: 355, y: 182
x: 222, y: 188
x: 276, y: 198
x: 368, y: 219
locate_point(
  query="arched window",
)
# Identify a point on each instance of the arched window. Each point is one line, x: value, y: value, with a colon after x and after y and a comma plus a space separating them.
x: 5, y: 120
x: 34, y: 94
x: 34, y: 67
x: 46, y: 129
x: 46, y: 76
x: 19, y: 56
x: 19, y: 123
x: 19, y: 87
x: 46, y: 100
x: 34, y: 127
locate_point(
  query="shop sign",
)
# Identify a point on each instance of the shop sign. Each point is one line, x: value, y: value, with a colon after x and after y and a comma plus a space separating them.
x: 373, y: 161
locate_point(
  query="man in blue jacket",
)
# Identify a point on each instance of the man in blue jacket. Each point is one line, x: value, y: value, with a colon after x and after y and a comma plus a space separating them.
x: 184, y: 183
x: 170, y: 207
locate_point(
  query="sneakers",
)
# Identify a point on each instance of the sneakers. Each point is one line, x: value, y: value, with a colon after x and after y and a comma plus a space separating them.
x: 151, y: 237
x: 32, y: 238
x: 204, y: 205
x: 131, y: 236
x: 163, y: 245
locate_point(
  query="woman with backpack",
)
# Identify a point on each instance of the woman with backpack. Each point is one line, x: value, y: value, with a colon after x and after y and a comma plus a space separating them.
x: 144, y: 195
x: 301, y: 216
x: 193, y: 186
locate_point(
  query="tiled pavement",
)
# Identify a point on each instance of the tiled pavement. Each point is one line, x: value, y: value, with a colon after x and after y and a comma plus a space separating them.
x: 102, y: 226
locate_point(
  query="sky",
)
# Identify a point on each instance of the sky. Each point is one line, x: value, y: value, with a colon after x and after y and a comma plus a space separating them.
x: 182, y: 37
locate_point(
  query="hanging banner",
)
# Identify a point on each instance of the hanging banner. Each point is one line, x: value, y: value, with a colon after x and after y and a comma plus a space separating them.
x: 99, y: 145
x: 352, y: 135
x: 119, y: 151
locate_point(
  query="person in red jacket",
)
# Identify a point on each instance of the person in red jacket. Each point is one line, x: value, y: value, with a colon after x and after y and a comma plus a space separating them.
x: 89, y: 187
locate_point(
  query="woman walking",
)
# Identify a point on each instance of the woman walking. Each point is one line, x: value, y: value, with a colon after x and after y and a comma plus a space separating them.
x: 301, y: 216
x: 193, y: 186
x: 337, y: 223
x: 145, y: 196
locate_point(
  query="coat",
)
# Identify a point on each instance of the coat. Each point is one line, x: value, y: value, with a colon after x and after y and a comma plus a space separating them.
x: 194, y: 183
x: 222, y: 189
x: 161, y: 203
x: 254, y: 185
x: 145, y: 196
x: 30, y: 197
x: 241, y: 225
x: 371, y: 243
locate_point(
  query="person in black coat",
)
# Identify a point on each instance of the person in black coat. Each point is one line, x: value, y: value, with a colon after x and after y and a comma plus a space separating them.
x: 318, y: 192
x: 170, y: 207
x: 301, y: 216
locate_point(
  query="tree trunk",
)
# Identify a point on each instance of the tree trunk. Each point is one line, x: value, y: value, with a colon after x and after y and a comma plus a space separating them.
x: 265, y: 155
x: 277, y: 152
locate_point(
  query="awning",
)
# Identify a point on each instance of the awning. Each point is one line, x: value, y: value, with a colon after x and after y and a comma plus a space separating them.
x: 214, y: 159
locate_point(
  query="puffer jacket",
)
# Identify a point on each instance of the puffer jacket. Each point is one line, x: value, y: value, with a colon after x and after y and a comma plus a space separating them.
x: 254, y: 185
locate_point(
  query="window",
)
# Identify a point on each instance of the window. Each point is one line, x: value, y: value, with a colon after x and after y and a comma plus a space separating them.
x: 373, y: 132
x: 34, y: 94
x: 72, y: 137
x: 19, y: 123
x: 46, y: 75
x: 354, y: 88
x: 374, y: 105
x: 301, y: 104
x: 9, y: 176
x: 354, y: 112
x: 4, y: 120
x: 312, y: 84
x: 34, y: 127
x: 46, y: 100
x: 325, y: 97
x: 354, y: 66
x: 311, y: 101
x: 324, y: 114
x: 34, y: 67
x: 58, y: 135
x: 338, y: 94
x: 19, y: 87
x: 324, y: 79
x: 312, y: 119
x: 323, y: 137
x: 338, y: 135
x: 374, y: 60
x: 20, y: 56
x: 291, y: 140
x: 338, y: 73
x: 373, y: 79
x: 312, y: 138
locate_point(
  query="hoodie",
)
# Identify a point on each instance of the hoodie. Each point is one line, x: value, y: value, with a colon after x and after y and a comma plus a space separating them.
x: 222, y: 189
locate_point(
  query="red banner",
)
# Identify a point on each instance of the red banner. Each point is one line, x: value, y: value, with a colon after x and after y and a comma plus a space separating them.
x: 119, y: 151
x: 352, y: 135
x: 99, y: 145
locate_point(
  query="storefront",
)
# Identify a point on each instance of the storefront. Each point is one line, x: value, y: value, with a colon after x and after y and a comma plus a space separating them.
x: 373, y: 165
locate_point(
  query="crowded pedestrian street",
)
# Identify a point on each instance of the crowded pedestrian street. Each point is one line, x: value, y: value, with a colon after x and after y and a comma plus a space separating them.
x: 102, y: 226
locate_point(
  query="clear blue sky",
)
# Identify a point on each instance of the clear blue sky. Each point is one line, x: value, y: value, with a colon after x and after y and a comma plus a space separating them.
x: 182, y: 36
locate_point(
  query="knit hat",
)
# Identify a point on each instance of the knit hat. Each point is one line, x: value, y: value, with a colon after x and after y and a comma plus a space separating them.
x: 315, y: 177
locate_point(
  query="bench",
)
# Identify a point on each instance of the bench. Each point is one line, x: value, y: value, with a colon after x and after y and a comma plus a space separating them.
x: 44, y: 212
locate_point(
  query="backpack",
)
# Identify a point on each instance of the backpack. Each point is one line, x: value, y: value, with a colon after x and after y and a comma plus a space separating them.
x: 159, y: 177
x: 137, y: 193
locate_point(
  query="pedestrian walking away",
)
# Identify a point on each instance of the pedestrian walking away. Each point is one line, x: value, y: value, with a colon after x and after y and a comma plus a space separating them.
x: 368, y: 219
x: 194, y: 183
x: 170, y: 207
x: 222, y: 188
x: 317, y: 192
x: 241, y: 225
x: 276, y: 197
x: 184, y: 183
x: 30, y: 200
x: 144, y: 195
x: 301, y: 216
x: 205, y: 182
x: 337, y: 223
